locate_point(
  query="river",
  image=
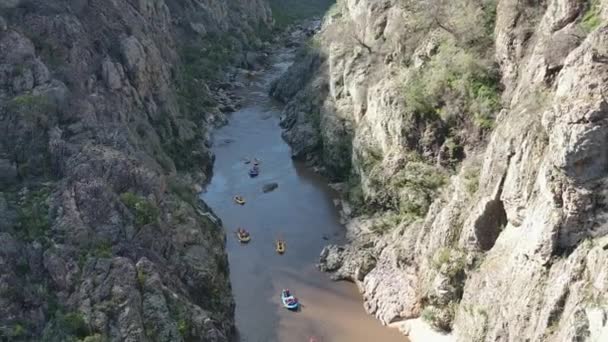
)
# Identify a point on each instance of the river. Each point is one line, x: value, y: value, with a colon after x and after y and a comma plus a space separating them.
x: 301, y: 211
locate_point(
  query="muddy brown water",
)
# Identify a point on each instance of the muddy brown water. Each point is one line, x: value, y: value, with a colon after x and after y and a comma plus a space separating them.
x: 301, y: 211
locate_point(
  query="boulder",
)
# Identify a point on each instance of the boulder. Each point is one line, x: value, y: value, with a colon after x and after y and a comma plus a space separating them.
x: 15, y: 48
x: 269, y: 187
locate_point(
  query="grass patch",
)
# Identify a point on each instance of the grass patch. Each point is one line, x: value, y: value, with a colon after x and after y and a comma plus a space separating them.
x: 144, y: 210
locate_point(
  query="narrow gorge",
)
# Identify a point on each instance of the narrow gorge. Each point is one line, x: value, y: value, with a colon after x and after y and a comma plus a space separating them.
x: 447, y: 181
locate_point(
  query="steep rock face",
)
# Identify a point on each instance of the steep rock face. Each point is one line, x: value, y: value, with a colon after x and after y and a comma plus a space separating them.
x: 498, y: 231
x: 103, y: 142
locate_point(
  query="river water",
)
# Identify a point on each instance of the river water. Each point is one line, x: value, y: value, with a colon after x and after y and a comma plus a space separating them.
x: 301, y: 211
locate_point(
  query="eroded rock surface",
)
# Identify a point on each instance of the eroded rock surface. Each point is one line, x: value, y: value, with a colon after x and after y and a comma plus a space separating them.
x: 492, y: 228
x: 105, y: 108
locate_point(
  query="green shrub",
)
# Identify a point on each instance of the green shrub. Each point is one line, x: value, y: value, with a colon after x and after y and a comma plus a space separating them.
x: 35, y: 109
x: 183, y: 191
x: 489, y: 17
x: 416, y: 187
x: 183, y: 327
x: 103, y: 250
x: 33, y: 215
x: 337, y: 157
x: 470, y: 23
x: 18, y: 331
x: 454, y: 83
x: 141, y: 278
x: 202, y: 61
x: 449, y: 261
x: 428, y: 314
x: 369, y: 158
x: 408, y: 193
x: 144, y: 210
x: 391, y: 220
x: 183, y: 154
x: 592, y: 16
x: 74, y: 324
x: 418, y: 98
x: 440, y: 318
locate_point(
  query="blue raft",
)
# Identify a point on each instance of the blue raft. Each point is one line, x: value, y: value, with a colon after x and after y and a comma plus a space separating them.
x: 289, y: 302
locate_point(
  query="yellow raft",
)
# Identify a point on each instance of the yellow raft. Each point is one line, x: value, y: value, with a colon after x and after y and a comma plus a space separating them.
x: 239, y: 200
x: 280, y: 246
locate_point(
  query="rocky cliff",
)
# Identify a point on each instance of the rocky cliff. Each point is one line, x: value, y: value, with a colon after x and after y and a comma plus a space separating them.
x: 105, y: 107
x: 469, y: 137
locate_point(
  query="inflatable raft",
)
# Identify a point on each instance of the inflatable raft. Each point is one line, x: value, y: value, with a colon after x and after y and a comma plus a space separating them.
x: 289, y: 301
x: 243, y: 236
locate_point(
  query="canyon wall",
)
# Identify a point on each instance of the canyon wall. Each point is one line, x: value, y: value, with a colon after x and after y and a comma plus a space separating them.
x: 105, y: 111
x: 469, y: 142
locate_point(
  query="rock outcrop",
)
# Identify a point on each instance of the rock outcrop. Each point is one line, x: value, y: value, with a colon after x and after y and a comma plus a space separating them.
x: 473, y: 148
x: 105, y: 108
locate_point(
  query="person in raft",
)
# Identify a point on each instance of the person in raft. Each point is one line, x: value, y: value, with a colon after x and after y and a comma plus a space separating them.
x: 291, y: 300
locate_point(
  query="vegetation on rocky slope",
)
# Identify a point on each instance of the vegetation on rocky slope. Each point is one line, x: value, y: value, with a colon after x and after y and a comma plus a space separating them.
x: 459, y: 81
x: 453, y: 90
x: 471, y: 101
x: 592, y: 17
x: 105, y: 105
x: 454, y: 86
